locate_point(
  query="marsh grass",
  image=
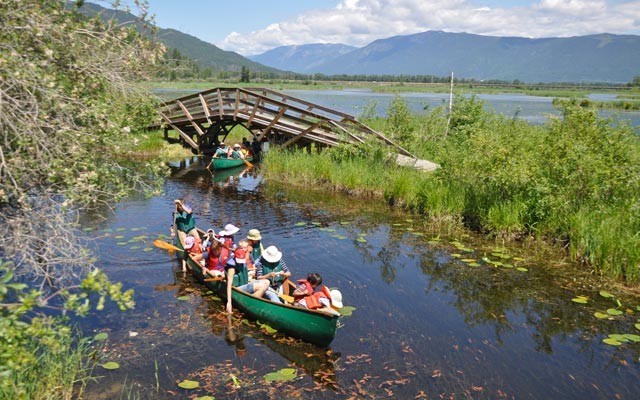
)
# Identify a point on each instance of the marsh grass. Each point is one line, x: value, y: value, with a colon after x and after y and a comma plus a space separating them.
x: 574, y: 181
x: 59, y: 369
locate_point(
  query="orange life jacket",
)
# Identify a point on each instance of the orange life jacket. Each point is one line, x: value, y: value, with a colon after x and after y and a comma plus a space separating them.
x: 313, y: 300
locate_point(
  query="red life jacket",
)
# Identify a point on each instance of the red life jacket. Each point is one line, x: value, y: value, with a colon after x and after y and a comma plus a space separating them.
x: 218, y: 262
x: 313, y: 300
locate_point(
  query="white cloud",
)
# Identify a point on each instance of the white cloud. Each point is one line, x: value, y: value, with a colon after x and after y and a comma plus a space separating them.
x: 359, y: 22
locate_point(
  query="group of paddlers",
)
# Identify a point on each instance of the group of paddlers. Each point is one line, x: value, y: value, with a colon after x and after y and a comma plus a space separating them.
x: 239, y: 150
x: 248, y: 266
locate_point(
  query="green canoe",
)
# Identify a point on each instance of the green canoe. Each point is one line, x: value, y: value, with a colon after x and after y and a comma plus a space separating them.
x: 313, y: 326
x: 224, y: 163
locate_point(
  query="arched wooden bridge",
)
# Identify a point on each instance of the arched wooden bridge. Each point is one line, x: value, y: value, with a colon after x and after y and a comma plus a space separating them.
x: 204, y: 119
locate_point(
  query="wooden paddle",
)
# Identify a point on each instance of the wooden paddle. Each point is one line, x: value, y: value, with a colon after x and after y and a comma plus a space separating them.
x: 164, y: 245
x: 248, y: 163
x: 215, y: 279
x: 288, y: 299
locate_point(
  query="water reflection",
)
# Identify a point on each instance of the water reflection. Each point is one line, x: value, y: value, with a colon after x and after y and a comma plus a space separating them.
x: 426, y: 324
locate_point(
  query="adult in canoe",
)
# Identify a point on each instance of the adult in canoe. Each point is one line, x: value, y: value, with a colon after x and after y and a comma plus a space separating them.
x: 271, y: 266
x: 185, y: 222
x: 314, y: 326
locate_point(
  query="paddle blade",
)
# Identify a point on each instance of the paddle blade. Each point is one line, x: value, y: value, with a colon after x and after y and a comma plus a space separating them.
x: 248, y: 164
x: 164, y: 245
x: 288, y: 299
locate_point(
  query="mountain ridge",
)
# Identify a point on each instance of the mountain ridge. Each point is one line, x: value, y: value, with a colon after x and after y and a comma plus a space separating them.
x: 591, y: 58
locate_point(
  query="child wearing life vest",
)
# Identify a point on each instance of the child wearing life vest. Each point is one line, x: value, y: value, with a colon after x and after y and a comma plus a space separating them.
x: 191, y: 247
x: 305, y: 294
x: 243, y: 257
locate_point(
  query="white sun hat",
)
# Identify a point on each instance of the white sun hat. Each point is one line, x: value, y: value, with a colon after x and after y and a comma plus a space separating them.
x: 272, y: 254
x: 189, y: 242
x: 336, y: 298
x: 229, y: 229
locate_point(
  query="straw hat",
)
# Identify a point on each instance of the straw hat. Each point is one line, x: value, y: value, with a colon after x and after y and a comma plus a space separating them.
x: 254, y: 234
x: 189, y: 242
x: 272, y: 254
x: 336, y: 298
x: 229, y: 229
x: 236, y: 146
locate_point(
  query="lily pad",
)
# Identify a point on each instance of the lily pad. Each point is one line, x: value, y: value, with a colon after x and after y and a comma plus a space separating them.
x: 146, y: 249
x: 206, y: 398
x: 474, y: 264
x: 469, y: 260
x: 316, y: 223
x: 284, y: 375
x: 122, y: 243
x: 118, y: 237
x: 613, y: 311
x: 347, y: 310
x: 632, y: 337
x: 605, y: 294
x: 187, y: 384
x: 361, y: 240
x: 637, y: 326
x: 600, y: 315
x: 110, y: 365
x: 183, y: 298
x: 101, y: 336
x: 619, y: 337
x: 580, y: 299
x: 121, y: 229
x: 611, y: 342
x: 267, y: 328
x: 433, y: 242
x: 506, y: 265
x: 456, y: 255
x: 522, y: 269
x: 301, y: 224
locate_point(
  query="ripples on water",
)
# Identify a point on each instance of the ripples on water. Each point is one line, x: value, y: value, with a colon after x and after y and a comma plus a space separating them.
x: 426, y: 324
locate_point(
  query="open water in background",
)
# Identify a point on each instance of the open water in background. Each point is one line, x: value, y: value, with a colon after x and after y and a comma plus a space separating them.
x: 534, y: 109
x: 426, y: 323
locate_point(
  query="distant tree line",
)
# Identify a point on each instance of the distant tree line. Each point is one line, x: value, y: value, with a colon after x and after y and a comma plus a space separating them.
x: 177, y: 66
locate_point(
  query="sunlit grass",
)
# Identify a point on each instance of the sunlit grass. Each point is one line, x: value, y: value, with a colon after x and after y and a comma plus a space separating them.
x: 575, y: 180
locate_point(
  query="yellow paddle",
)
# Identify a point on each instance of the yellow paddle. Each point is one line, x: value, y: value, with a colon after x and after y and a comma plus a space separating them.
x: 288, y: 299
x: 164, y: 245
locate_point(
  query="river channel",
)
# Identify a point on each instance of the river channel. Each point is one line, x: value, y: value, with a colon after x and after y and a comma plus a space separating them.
x: 431, y: 318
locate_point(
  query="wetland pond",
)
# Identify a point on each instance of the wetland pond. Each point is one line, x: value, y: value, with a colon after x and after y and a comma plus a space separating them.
x: 433, y: 315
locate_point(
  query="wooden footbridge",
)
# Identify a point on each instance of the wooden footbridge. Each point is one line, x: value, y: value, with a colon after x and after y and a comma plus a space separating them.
x: 204, y: 119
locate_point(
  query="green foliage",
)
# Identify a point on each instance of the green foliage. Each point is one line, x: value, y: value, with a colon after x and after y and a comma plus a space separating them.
x: 39, y: 356
x: 400, y: 121
x: 575, y: 180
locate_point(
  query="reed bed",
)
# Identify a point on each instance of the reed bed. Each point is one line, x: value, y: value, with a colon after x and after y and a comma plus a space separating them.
x: 574, y: 181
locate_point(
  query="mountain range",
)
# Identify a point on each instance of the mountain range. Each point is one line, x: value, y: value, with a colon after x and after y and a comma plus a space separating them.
x: 592, y: 58
x: 204, y: 53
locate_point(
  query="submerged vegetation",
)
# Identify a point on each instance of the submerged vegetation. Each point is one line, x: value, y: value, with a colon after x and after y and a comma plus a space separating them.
x: 574, y: 181
x: 67, y: 114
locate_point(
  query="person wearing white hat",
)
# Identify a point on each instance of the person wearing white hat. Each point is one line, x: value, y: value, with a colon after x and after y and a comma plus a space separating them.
x: 336, y: 298
x: 227, y: 235
x: 271, y: 266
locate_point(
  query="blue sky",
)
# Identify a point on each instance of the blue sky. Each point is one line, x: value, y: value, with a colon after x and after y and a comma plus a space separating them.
x: 254, y: 26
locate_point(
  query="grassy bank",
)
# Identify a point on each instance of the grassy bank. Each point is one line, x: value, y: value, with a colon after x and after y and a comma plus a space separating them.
x: 397, y: 87
x: 574, y: 181
x: 152, y: 146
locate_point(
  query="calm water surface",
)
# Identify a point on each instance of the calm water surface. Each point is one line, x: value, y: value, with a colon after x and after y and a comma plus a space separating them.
x: 534, y: 109
x: 426, y: 324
